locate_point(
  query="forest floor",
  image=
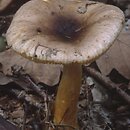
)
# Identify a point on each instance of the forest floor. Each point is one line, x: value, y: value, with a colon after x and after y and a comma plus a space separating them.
x: 104, y: 101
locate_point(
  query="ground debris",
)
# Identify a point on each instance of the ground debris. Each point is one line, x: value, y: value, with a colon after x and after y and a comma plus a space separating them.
x: 108, y: 84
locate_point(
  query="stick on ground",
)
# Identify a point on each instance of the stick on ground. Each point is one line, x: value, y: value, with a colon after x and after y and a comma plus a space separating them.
x: 107, y: 83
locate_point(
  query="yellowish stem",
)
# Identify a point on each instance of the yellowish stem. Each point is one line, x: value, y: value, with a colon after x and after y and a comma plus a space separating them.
x: 65, y: 111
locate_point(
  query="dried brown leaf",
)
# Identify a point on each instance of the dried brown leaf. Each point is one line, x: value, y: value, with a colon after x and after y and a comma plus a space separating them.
x: 4, y: 80
x: 46, y: 73
x: 118, y: 56
x: 4, y: 4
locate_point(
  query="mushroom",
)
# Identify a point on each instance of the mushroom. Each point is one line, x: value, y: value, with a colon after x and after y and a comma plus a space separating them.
x: 65, y: 32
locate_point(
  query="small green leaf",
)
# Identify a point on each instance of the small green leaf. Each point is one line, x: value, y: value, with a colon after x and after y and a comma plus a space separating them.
x: 3, y: 44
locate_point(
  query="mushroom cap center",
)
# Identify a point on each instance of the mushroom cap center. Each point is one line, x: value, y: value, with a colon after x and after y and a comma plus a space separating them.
x: 66, y: 28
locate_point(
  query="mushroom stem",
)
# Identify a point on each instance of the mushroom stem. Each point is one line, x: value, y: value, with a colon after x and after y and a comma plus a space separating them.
x: 67, y: 96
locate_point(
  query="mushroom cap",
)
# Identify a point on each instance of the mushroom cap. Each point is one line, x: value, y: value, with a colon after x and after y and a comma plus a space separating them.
x: 64, y: 31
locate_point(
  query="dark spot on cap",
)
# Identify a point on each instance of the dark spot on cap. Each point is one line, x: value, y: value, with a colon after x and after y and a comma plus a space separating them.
x: 61, y: 7
x: 35, y: 56
x: 39, y: 30
x: 52, y: 13
x: 66, y: 28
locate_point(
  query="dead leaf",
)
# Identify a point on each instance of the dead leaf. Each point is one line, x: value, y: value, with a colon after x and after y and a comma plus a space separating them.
x: 17, y: 113
x: 4, y: 80
x: 118, y: 56
x: 46, y: 73
x: 4, y: 4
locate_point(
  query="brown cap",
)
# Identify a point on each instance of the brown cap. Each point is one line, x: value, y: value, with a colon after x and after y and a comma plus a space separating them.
x: 64, y: 31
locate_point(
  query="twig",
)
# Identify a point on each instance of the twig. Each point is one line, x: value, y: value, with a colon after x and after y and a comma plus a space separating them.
x: 24, y: 116
x: 22, y: 95
x: 19, y: 72
x: 37, y: 89
x: 107, y: 83
x: 107, y: 125
x: 43, y: 95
